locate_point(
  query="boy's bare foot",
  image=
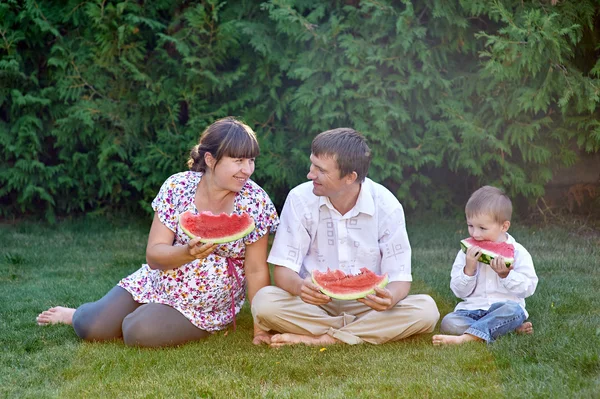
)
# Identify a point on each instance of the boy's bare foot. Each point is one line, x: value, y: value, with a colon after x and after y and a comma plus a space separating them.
x: 441, y: 339
x: 525, y: 328
x: 56, y: 315
x: 279, y: 340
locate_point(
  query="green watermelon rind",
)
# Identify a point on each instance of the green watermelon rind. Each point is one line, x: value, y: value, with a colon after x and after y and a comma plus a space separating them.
x: 220, y: 240
x: 354, y: 295
x: 486, y: 256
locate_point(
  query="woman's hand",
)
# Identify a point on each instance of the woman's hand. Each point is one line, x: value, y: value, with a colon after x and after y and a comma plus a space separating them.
x: 162, y: 254
x: 200, y: 250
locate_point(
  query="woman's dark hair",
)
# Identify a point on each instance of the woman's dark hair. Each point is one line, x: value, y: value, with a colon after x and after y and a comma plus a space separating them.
x: 349, y: 149
x: 226, y: 137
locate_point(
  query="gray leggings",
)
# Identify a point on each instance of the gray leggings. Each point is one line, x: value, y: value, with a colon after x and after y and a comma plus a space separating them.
x: 117, y: 315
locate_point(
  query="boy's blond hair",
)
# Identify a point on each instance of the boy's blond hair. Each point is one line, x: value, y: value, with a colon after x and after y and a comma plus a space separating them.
x: 491, y: 201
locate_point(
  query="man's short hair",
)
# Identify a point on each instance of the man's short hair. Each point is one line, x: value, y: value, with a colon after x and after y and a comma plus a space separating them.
x: 349, y: 149
x: 491, y: 201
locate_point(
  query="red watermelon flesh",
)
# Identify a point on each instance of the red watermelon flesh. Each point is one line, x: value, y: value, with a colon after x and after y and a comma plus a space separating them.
x: 216, y: 229
x: 339, y: 285
x: 491, y: 250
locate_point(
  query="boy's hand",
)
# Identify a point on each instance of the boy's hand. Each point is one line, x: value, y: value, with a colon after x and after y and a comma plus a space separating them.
x: 473, y: 255
x: 498, y: 265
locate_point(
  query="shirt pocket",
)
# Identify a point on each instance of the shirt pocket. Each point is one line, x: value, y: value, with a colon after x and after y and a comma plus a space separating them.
x: 367, y: 256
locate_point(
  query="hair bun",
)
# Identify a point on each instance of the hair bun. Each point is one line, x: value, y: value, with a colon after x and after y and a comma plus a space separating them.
x: 196, y: 161
x: 195, y: 153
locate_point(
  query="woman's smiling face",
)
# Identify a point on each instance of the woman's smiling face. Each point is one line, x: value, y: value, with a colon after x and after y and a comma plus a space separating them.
x: 233, y: 173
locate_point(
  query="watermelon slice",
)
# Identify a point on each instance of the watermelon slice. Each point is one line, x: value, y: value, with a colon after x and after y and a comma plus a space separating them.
x: 216, y: 229
x: 490, y: 250
x: 339, y: 285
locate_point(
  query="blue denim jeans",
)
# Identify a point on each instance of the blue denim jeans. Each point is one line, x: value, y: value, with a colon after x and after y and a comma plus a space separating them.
x: 500, y: 319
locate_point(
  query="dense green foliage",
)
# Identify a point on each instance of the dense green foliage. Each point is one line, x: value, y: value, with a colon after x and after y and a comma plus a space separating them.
x: 101, y: 100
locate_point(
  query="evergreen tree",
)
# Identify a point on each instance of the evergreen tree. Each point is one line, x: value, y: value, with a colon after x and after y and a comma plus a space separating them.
x: 100, y: 101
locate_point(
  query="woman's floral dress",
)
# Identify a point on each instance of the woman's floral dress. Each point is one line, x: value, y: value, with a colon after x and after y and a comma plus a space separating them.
x: 203, y: 289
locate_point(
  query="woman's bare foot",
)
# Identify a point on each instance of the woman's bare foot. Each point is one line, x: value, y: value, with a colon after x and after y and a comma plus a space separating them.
x: 454, y: 339
x: 56, y: 315
x: 525, y: 328
x: 279, y: 340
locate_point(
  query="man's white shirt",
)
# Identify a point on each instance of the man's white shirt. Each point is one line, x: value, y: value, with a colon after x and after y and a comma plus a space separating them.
x: 313, y: 235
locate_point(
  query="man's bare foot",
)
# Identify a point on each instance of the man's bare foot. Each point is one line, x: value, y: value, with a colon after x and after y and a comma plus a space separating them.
x: 279, y: 340
x: 454, y: 339
x: 525, y: 328
x: 56, y: 315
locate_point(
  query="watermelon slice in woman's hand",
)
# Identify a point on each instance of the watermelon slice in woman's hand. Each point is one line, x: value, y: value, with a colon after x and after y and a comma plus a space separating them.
x: 216, y: 229
x: 490, y: 250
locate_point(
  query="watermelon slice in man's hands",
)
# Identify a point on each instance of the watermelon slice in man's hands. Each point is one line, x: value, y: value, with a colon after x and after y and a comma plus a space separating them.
x: 339, y: 285
x: 490, y: 250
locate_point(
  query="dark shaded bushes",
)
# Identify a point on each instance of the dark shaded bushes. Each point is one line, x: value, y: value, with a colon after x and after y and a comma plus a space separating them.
x: 101, y: 100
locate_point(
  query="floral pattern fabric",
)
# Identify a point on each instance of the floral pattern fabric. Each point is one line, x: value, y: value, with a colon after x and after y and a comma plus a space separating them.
x: 202, y: 289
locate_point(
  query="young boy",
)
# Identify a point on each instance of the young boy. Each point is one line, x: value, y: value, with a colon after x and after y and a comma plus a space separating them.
x: 493, y: 295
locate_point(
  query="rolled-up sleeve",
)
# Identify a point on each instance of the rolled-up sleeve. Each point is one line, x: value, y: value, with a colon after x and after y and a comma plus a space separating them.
x: 395, y: 246
x: 292, y: 240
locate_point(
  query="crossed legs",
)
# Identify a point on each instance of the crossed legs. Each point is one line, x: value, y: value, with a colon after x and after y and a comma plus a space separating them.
x: 482, y: 325
x: 349, y: 322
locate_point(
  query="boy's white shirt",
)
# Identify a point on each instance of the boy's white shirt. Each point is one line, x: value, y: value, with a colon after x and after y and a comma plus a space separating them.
x: 312, y: 234
x: 486, y: 287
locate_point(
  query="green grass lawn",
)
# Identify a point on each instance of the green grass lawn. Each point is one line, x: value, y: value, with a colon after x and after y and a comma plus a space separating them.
x: 78, y: 261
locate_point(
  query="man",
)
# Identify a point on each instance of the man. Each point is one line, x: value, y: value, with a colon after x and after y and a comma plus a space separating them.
x: 341, y: 220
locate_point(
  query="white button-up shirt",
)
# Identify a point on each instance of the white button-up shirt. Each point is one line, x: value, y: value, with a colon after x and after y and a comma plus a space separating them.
x: 486, y: 287
x: 313, y: 235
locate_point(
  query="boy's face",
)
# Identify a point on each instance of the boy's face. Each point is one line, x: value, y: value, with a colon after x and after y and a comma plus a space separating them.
x: 484, y: 227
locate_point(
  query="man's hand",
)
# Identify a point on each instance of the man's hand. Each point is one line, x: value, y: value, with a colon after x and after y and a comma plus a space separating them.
x: 380, y: 301
x: 310, y: 293
x: 498, y: 264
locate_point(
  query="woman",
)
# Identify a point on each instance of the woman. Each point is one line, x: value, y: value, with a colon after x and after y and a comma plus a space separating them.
x: 189, y: 289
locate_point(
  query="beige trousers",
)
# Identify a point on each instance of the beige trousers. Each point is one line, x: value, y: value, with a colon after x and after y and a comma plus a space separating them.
x: 347, y: 321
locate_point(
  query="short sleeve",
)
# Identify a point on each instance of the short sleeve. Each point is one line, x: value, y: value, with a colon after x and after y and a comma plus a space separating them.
x: 164, y: 206
x: 292, y: 242
x: 395, y: 246
x: 257, y: 203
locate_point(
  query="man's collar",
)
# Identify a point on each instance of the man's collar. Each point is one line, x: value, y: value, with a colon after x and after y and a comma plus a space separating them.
x: 364, y: 202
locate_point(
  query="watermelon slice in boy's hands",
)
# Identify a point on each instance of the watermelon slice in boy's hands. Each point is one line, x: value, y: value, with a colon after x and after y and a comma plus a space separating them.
x: 490, y: 250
